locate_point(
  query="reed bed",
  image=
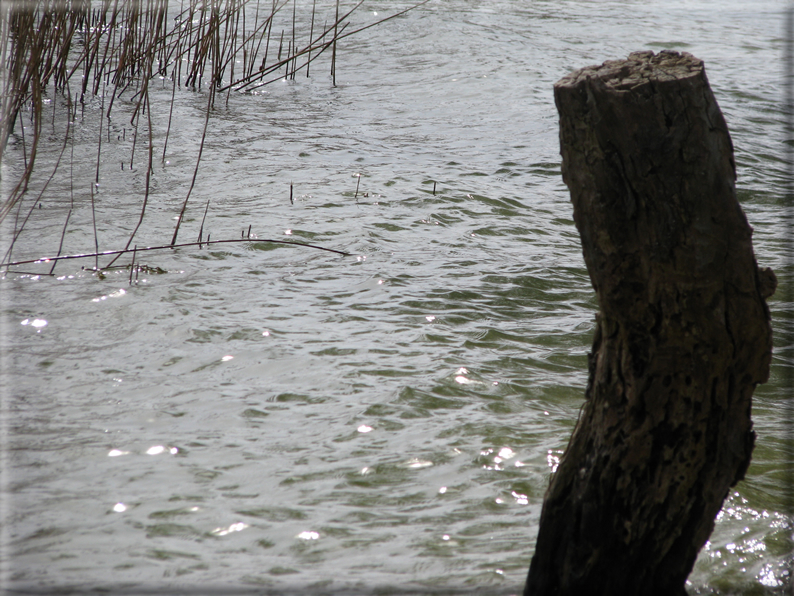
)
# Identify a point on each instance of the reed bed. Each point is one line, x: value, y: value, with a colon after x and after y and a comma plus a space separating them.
x: 89, y: 54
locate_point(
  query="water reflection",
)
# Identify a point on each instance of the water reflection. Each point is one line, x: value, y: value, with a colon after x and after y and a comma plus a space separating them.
x: 417, y: 464
x: 553, y: 457
x: 35, y: 323
x: 158, y: 449
x: 308, y: 535
x: 494, y: 253
x: 117, y: 294
x: 236, y: 527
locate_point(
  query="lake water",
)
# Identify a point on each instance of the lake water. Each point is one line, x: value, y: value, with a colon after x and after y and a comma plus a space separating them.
x: 269, y: 417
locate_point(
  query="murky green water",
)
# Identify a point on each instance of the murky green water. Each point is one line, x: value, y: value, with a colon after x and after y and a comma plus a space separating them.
x: 274, y: 416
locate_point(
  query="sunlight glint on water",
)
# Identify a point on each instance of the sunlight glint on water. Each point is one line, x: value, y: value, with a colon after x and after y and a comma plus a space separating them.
x: 264, y: 415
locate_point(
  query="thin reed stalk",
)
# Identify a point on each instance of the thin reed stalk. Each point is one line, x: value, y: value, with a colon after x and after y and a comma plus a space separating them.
x: 333, y: 52
x: 195, y: 171
x: 96, y: 236
x: 311, y: 35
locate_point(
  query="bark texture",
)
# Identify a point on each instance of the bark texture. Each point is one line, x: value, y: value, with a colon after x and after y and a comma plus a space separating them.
x: 682, y: 337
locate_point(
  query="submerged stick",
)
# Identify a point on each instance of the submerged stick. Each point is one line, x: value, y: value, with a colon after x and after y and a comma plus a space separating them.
x: 333, y: 51
x: 132, y: 265
x: 198, y: 161
x: 201, y: 229
x: 311, y: 35
x: 63, y: 235
x: 93, y: 218
x: 99, y: 141
x: 166, y: 246
x: 170, y: 116
x: 294, y: 47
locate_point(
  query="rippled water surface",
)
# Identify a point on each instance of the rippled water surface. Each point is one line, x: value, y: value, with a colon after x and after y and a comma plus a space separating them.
x: 264, y: 415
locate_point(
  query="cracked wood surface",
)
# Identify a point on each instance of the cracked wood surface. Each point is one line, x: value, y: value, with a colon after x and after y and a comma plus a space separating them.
x: 682, y: 336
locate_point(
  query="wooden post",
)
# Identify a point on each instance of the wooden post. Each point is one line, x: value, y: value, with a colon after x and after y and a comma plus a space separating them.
x: 682, y: 335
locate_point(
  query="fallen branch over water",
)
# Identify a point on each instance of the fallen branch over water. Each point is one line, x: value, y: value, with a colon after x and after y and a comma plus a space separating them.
x: 96, y: 255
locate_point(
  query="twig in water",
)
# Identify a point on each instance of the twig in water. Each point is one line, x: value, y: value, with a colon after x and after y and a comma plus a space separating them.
x: 291, y: 202
x: 280, y: 45
x: 357, y: 184
x: 96, y: 238
x: 201, y: 229
x: 99, y: 142
x: 434, y: 189
x: 333, y: 50
x: 137, y: 117
x: 63, y: 234
x: 166, y: 246
x: 211, y: 95
x: 294, y: 47
x: 311, y: 36
x: 135, y: 250
x: 170, y: 115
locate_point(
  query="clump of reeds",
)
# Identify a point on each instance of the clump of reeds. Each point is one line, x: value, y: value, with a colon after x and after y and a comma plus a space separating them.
x: 84, y: 50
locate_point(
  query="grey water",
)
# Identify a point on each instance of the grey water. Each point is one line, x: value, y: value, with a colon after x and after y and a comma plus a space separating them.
x: 273, y: 417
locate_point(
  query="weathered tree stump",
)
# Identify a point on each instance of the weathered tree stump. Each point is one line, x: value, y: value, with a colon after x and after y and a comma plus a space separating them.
x: 682, y: 337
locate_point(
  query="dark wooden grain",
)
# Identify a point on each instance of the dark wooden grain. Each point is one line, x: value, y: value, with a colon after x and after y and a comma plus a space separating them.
x: 682, y: 338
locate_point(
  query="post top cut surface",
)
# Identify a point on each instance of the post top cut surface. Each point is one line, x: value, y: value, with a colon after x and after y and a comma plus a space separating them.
x: 639, y: 68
